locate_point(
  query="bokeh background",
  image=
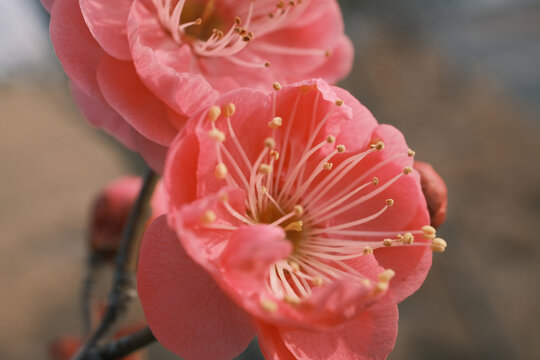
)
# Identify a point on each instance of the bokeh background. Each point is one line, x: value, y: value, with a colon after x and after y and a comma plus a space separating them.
x: 460, y: 78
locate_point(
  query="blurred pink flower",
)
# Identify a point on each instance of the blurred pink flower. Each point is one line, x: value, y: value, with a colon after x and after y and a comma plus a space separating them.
x: 290, y: 216
x: 111, y: 209
x: 435, y: 192
x: 139, y: 67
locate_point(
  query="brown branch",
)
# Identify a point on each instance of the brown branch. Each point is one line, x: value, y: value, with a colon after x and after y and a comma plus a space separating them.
x: 125, y: 267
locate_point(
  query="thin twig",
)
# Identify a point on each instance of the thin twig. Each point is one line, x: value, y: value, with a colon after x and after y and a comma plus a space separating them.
x: 123, y: 346
x: 125, y: 267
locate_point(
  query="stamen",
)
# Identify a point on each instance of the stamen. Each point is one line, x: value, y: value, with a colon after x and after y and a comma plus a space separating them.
x: 269, y: 305
x: 294, y: 226
x: 221, y: 171
x: 213, y: 113
x: 438, y: 245
x: 429, y: 232
x: 229, y: 109
x: 208, y: 217
x: 275, y: 122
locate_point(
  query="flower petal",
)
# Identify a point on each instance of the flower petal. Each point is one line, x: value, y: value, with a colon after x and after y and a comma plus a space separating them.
x: 75, y: 46
x: 371, y: 336
x: 100, y: 114
x: 251, y: 250
x: 185, y: 309
x: 124, y: 92
x: 163, y: 65
x: 107, y: 21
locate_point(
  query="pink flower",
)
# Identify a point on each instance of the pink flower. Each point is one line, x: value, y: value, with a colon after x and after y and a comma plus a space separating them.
x: 293, y: 216
x: 111, y: 209
x: 138, y: 68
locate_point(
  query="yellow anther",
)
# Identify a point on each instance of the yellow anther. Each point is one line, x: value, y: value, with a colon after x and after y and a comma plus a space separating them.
x: 237, y: 20
x: 267, y: 64
x: 340, y: 148
x: 276, y: 86
x: 264, y: 189
x: 294, y: 266
x: 327, y: 165
x: 327, y: 53
x: 339, y: 102
x: 198, y: 21
x: 294, y: 226
x: 208, y: 217
x: 407, y: 239
x: 318, y: 281
x: 298, y: 210
x: 407, y: 170
x: 438, y: 245
x: 269, y: 305
x: 220, y: 171
x: 375, y: 180
x: 274, y: 154
x: 270, y: 143
x: 379, y: 146
x: 213, y: 113
x: 330, y: 139
x: 280, y: 4
x: 229, y: 109
x: 387, y: 242
x: 217, y: 135
x: 293, y: 300
x: 429, y: 232
x: 380, y: 287
x: 275, y: 122
x: 390, y: 202
x: 410, y: 153
x: 367, y: 251
x: 386, y: 275
x: 265, y: 169
x: 224, y: 197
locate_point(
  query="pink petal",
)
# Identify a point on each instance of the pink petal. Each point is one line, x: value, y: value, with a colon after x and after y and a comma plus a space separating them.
x: 124, y: 91
x: 99, y: 114
x: 411, y: 264
x: 107, y: 21
x: 75, y: 46
x: 339, y: 64
x: 355, y: 134
x: 271, y: 344
x: 180, y: 174
x: 163, y: 66
x: 251, y: 250
x: 185, y: 309
x: 317, y: 28
x: 206, y: 245
x: 371, y: 336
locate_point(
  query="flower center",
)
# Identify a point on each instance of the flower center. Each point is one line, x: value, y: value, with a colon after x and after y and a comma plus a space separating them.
x: 212, y: 31
x: 287, y: 187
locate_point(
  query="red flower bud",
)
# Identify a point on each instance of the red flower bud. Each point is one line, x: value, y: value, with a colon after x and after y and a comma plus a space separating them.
x: 110, y: 213
x: 434, y: 190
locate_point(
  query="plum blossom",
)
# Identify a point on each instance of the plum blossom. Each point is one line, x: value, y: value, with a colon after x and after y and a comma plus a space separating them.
x: 293, y: 216
x: 139, y: 68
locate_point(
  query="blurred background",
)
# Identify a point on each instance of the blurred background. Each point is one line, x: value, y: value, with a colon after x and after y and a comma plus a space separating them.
x: 460, y: 78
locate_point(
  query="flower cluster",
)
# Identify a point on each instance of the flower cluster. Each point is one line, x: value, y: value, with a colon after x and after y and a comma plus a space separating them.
x: 289, y: 213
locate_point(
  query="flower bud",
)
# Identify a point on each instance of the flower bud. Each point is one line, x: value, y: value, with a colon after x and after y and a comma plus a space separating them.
x: 435, y: 192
